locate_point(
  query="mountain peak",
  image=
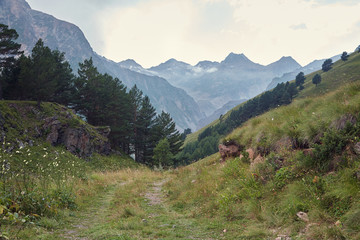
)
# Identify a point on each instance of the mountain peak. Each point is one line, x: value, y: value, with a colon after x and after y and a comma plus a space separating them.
x: 129, y: 63
x: 234, y: 58
x: 171, y: 63
x: 286, y: 61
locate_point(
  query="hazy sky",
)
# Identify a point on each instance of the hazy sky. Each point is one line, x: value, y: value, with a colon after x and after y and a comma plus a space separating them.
x: 152, y: 31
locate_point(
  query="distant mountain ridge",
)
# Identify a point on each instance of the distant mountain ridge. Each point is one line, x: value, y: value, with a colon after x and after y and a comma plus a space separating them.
x: 213, y: 84
x: 66, y: 37
x: 291, y: 75
x: 234, y: 78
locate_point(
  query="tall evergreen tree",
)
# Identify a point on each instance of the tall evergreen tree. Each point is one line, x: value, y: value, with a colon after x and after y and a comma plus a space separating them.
x: 144, y: 141
x: 300, y: 79
x: 103, y: 100
x: 165, y: 127
x: 9, y: 50
x: 45, y: 76
x: 136, y: 97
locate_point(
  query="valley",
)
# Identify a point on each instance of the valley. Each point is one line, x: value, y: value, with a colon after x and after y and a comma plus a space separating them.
x: 93, y: 149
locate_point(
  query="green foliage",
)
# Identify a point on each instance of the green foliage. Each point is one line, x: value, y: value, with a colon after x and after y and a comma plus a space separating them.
x: 208, y: 140
x: 332, y: 143
x: 9, y: 49
x: 103, y: 100
x: 35, y: 180
x: 162, y: 153
x: 44, y: 76
x: 164, y: 127
x: 327, y: 65
x: 316, y: 79
x: 282, y: 177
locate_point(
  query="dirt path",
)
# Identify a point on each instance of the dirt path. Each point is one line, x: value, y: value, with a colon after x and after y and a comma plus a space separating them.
x: 93, y: 215
x: 155, y: 195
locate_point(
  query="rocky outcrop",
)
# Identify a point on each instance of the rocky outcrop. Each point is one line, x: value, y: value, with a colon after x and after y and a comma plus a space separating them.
x: 23, y: 123
x: 82, y: 140
x: 228, y: 150
x: 340, y: 123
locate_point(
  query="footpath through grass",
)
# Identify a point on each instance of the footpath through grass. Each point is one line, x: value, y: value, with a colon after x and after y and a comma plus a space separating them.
x: 124, y: 204
x: 134, y: 205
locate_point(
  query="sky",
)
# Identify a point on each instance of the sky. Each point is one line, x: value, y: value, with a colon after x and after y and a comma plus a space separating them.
x: 153, y: 31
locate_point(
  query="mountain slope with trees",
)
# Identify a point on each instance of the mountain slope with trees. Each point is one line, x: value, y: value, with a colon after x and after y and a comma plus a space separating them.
x: 59, y: 35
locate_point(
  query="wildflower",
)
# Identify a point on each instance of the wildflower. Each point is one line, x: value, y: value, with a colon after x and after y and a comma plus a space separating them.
x: 17, y: 151
x: 45, y: 149
x: 29, y: 154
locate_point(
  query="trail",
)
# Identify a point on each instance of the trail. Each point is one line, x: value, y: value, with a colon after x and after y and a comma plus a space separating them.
x: 136, y: 209
x: 93, y: 215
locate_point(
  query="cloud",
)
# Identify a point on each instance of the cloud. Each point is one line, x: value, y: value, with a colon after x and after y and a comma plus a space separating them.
x: 299, y: 26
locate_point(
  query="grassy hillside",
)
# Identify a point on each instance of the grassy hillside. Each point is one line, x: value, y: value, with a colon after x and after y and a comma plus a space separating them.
x: 39, y: 181
x: 303, y: 157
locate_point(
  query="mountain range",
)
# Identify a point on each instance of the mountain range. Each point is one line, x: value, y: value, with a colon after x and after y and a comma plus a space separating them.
x: 193, y: 94
x: 66, y: 37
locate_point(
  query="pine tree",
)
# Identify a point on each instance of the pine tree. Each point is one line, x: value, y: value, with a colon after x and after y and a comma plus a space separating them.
x: 9, y: 50
x: 45, y: 75
x: 327, y: 65
x: 103, y: 100
x: 300, y: 79
x: 344, y: 56
x: 144, y: 143
x: 316, y: 79
x: 165, y: 127
x: 136, y: 96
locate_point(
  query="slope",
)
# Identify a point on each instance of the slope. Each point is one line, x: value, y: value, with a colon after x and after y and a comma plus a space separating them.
x: 298, y: 175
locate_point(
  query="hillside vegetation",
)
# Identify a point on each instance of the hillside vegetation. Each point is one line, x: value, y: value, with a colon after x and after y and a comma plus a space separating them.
x: 300, y: 159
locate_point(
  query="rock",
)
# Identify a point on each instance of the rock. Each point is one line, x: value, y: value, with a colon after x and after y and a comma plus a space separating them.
x: 256, y: 161
x: 303, y: 216
x: 308, y: 152
x: 357, y: 148
x: 52, y: 125
x: 343, y: 120
x: 80, y: 142
x: 227, y: 151
x: 104, y: 131
x: 251, y: 153
x: 283, y: 237
x: 338, y: 223
x: 357, y: 175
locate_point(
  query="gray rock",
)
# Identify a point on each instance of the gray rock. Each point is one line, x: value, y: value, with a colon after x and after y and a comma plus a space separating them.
x: 303, y: 216
x: 357, y: 148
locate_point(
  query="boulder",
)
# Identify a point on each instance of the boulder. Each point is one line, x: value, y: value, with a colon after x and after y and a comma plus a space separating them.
x: 343, y: 120
x: 231, y: 150
x: 80, y: 140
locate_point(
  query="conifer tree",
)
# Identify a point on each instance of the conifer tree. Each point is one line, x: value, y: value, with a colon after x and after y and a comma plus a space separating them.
x: 45, y: 75
x: 300, y: 79
x: 327, y: 65
x: 316, y: 79
x: 165, y: 127
x: 344, y: 56
x: 144, y: 143
x: 9, y: 50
